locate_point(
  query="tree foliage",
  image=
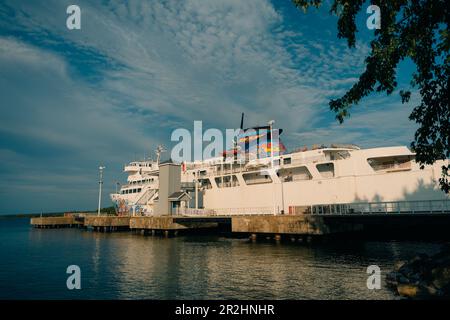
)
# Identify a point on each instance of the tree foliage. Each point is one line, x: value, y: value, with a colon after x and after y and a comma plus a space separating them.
x: 414, y: 29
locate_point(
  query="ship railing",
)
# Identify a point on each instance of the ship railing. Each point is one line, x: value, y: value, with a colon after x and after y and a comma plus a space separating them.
x: 307, y: 160
x: 237, y: 168
x: 224, y: 211
x: 389, y: 207
x: 146, y: 196
x: 194, y: 212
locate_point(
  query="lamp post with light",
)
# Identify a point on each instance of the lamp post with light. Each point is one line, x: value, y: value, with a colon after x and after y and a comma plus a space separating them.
x: 100, y: 183
x: 270, y: 123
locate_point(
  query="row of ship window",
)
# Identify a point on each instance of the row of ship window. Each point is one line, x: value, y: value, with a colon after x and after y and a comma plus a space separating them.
x: 128, y: 191
x: 141, y: 181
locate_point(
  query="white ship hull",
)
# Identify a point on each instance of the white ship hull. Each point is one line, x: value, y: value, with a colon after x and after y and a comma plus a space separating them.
x: 412, y: 185
x: 291, y: 182
x: 352, y: 180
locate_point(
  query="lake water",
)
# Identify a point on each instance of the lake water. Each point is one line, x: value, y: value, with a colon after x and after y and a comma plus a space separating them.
x: 33, y: 265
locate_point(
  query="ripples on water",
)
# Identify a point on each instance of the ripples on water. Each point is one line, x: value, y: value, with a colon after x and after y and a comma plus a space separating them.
x: 33, y: 265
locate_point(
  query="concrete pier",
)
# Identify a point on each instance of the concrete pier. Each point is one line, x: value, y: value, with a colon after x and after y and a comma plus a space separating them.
x: 107, y: 223
x: 55, y: 222
x: 302, y: 228
x: 155, y: 223
x: 289, y: 224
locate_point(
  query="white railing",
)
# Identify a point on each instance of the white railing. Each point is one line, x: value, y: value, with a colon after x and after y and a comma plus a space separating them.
x: 148, y: 194
x: 223, y: 211
x: 194, y: 212
x: 424, y: 206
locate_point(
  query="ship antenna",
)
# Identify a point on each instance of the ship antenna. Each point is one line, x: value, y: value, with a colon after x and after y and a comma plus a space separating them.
x: 159, y: 149
x: 242, y: 121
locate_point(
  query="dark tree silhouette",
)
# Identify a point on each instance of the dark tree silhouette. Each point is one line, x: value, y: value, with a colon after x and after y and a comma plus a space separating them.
x: 415, y: 29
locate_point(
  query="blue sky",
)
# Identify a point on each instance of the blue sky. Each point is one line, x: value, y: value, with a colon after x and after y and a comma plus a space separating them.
x: 114, y: 90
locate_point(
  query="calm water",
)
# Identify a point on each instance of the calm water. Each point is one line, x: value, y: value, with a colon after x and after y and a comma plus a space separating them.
x: 33, y: 265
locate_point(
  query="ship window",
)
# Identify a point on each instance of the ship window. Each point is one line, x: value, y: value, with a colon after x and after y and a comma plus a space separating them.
x: 326, y: 170
x: 228, y: 181
x: 389, y: 164
x: 294, y: 174
x: 205, y: 183
x: 287, y: 161
x: 139, y: 190
x: 256, y: 178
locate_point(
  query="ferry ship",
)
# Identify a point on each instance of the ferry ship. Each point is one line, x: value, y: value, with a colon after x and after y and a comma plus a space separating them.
x: 262, y: 181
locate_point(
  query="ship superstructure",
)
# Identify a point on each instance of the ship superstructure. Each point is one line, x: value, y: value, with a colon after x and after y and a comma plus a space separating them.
x: 138, y: 195
x: 256, y: 180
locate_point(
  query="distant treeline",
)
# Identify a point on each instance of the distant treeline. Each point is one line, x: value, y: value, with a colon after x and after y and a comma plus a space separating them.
x: 108, y: 210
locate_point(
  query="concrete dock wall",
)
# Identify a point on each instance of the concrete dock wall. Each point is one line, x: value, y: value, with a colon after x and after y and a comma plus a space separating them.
x: 392, y: 226
x: 106, y: 221
x: 54, y: 222
x: 155, y: 223
x: 289, y: 224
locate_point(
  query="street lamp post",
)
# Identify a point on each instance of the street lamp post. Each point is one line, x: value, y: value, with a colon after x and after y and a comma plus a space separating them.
x: 100, y: 183
x: 270, y: 123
